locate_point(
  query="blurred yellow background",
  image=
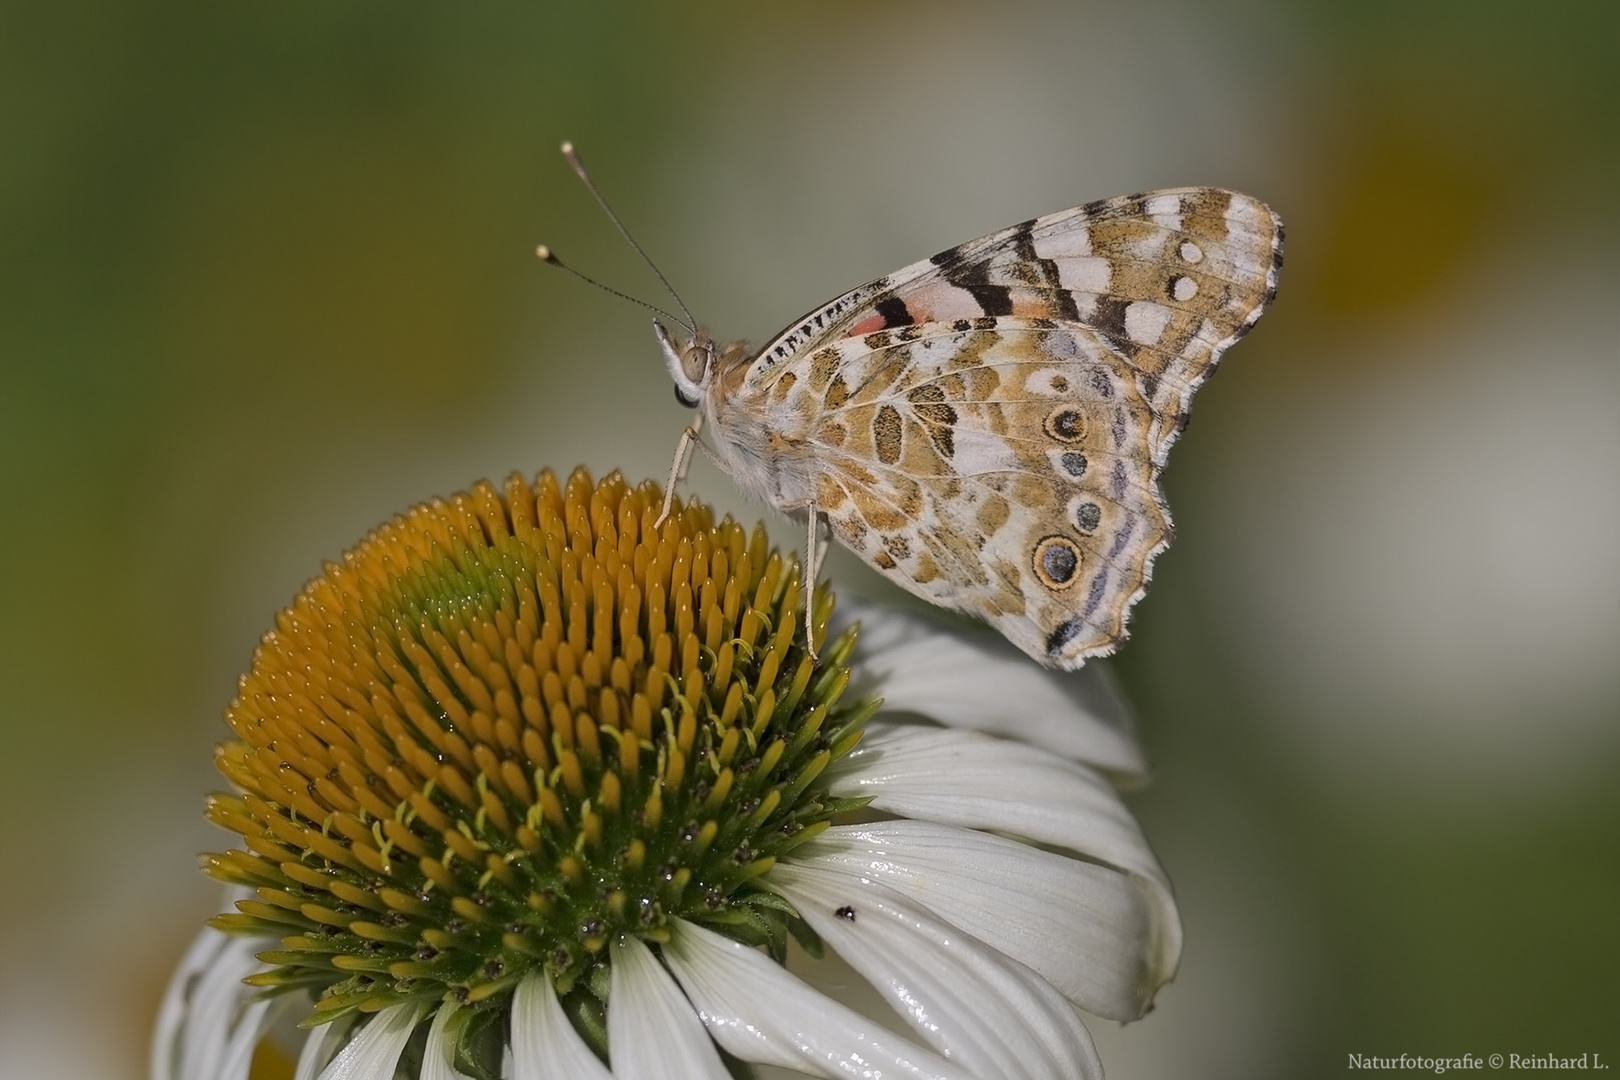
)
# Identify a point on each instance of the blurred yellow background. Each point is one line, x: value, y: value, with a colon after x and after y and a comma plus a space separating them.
x: 268, y: 278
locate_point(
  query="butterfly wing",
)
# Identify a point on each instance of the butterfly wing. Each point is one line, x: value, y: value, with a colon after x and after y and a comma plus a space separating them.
x: 987, y: 427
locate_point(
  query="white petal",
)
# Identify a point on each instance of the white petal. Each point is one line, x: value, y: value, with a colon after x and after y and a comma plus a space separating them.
x: 759, y: 1012
x: 318, y: 1048
x: 206, y: 1029
x: 545, y: 1045
x: 250, y: 1027
x: 173, y: 1012
x: 1085, y: 928
x: 437, y: 1062
x: 968, y: 779
x: 373, y: 1053
x: 653, y: 1031
x: 976, y: 679
x: 973, y: 1004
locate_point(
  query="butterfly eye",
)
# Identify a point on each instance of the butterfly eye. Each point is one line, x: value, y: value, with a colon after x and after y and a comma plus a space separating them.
x: 695, y: 360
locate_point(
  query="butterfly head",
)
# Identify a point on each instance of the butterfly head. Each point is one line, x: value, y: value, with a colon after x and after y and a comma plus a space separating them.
x: 690, y: 362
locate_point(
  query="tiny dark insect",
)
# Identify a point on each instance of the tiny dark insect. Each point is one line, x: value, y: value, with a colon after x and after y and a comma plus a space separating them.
x: 846, y: 912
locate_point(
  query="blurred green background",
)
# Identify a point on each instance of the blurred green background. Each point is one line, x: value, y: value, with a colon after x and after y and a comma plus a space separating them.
x: 266, y: 277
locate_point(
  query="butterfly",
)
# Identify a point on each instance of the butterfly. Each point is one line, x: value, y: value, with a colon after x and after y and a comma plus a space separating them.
x: 986, y: 428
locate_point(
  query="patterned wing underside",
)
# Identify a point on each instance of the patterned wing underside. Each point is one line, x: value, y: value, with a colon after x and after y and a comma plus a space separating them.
x: 987, y: 427
x: 1003, y: 472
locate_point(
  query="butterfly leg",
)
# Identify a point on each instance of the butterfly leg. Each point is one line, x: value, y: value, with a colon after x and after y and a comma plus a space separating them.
x: 677, y: 468
x: 812, y: 559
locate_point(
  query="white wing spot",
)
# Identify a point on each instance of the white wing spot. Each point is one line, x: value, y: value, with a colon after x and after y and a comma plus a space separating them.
x: 1145, y: 321
x: 980, y: 452
x: 1089, y: 274
x: 1163, y: 204
x: 1191, y: 251
x: 1064, y: 244
x: 1243, y: 211
x: 1184, y: 288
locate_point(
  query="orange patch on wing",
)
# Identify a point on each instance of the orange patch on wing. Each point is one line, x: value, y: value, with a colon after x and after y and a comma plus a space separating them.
x: 1034, y: 491
x: 829, y: 496
x: 992, y: 515
x: 878, y: 514
x: 832, y: 433
x: 822, y: 366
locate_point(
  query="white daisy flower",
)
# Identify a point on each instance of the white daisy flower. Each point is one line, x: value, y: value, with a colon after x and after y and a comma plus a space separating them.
x: 531, y: 786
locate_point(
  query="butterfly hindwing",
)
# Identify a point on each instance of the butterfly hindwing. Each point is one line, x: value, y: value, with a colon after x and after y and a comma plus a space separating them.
x: 1002, y: 471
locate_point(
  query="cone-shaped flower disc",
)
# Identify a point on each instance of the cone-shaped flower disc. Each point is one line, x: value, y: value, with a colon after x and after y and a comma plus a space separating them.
x: 511, y: 728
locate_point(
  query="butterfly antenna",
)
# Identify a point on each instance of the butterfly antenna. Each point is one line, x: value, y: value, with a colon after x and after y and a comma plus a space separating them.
x: 549, y: 257
x: 579, y: 169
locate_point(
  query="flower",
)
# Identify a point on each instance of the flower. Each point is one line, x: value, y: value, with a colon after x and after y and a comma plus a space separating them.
x: 534, y: 784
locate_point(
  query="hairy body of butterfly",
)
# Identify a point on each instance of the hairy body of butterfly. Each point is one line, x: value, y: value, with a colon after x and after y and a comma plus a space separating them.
x: 987, y: 427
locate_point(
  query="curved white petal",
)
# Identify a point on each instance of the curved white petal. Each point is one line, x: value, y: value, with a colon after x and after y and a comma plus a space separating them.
x: 759, y: 1012
x: 437, y: 1063
x: 166, y: 1032
x: 250, y: 1027
x: 653, y: 1031
x: 544, y: 1044
x: 206, y: 1028
x: 978, y: 782
x: 971, y: 1003
x: 318, y: 1048
x: 979, y: 680
x: 1085, y: 928
x: 373, y: 1053
x: 171, y: 1026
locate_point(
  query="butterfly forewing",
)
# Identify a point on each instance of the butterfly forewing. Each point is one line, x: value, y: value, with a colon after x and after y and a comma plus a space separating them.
x: 987, y: 427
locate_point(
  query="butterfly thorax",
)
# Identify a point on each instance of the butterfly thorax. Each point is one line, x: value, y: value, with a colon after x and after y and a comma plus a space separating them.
x: 762, y: 450
x: 731, y: 366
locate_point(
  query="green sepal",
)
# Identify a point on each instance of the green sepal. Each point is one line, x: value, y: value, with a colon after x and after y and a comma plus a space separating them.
x: 765, y: 899
x: 479, y: 1038
x: 599, y: 980
x: 834, y: 806
x: 808, y: 939
x: 589, y: 1016
x: 752, y: 926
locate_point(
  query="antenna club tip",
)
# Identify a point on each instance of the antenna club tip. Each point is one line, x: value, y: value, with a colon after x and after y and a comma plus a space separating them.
x: 567, y: 146
x: 545, y: 254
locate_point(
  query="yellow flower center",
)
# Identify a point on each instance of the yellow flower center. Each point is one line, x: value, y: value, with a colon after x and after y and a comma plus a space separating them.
x: 511, y: 726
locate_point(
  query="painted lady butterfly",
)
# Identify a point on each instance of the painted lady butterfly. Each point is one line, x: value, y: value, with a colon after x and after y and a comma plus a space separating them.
x: 987, y: 427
